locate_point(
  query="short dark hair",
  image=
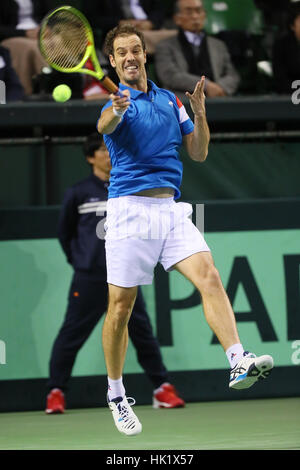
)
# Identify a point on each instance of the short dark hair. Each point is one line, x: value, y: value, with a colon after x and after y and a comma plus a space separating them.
x: 126, y: 29
x: 92, y: 143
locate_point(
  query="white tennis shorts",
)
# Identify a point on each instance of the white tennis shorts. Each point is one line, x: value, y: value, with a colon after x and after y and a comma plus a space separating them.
x: 144, y: 231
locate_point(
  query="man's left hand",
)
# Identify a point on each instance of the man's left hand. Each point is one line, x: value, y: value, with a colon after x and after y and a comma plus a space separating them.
x: 197, y: 99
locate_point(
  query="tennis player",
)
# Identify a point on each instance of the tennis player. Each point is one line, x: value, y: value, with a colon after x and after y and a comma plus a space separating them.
x: 143, y: 130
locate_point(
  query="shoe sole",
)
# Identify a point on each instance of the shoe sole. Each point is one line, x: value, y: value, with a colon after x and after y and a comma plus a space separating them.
x: 160, y: 404
x: 49, y: 411
x: 259, y: 370
x: 134, y: 432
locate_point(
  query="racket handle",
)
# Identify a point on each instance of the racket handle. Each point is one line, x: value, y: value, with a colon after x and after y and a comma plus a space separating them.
x: 110, y: 86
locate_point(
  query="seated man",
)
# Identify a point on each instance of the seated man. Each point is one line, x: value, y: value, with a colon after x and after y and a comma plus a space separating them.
x: 146, y: 15
x: 105, y: 14
x: 12, y: 89
x: 19, y: 30
x: 181, y: 61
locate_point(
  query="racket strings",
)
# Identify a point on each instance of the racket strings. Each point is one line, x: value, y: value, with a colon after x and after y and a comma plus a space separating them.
x: 64, y: 39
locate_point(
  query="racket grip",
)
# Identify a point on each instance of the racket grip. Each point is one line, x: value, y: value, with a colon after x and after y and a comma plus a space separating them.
x: 111, y: 87
x: 119, y: 93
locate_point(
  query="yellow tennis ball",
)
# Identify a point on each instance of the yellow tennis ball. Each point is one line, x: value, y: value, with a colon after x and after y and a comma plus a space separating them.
x: 62, y: 93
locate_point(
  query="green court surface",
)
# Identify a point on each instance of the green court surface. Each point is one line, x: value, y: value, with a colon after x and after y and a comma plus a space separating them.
x: 263, y: 424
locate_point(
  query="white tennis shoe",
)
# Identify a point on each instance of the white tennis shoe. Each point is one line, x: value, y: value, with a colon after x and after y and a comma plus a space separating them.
x: 125, y: 419
x: 249, y: 370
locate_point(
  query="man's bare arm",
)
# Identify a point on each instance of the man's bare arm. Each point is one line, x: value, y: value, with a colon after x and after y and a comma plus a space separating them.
x: 197, y: 141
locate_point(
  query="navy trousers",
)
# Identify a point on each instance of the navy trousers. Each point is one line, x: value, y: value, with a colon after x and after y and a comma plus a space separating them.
x: 86, y: 304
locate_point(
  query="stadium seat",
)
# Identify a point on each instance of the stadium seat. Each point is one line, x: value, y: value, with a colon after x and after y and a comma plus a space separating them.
x: 232, y: 15
x: 240, y: 25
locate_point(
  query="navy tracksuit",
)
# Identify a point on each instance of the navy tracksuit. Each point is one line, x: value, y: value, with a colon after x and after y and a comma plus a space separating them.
x: 83, y: 208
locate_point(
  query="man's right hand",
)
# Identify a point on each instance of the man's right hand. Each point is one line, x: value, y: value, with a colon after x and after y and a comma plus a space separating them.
x: 120, y: 104
x: 112, y: 116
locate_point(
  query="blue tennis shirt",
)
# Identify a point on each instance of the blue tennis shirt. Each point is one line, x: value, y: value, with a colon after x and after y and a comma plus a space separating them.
x: 144, y: 146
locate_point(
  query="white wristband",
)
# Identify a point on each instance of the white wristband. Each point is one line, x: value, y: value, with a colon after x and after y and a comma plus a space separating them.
x: 119, y: 113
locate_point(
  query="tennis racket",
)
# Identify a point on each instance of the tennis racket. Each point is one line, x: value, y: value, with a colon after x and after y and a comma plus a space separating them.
x: 66, y: 42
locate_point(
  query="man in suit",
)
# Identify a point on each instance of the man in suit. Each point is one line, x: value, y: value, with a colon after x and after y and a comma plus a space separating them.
x: 182, y: 60
x: 147, y: 16
x: 105, y: 15
x: 8, y: 76
x: 19, y: 30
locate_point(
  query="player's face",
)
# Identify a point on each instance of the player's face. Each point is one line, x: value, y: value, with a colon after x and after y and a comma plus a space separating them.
x: 101, y: 159
x: 296, y: 27
x: 129, y: 59
x: 191, y: 16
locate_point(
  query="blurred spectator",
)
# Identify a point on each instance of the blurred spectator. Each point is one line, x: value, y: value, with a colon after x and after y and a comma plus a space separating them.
x: 147, y: 15
x: 182, y: 60
x: 274, y: 12
x: 45, y: 82
x: 92, y: 88
x: 106, y: 14
x: 275, y: 15
x: 13, y: 88
x: 286, y: 53
x: 19, y: 29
